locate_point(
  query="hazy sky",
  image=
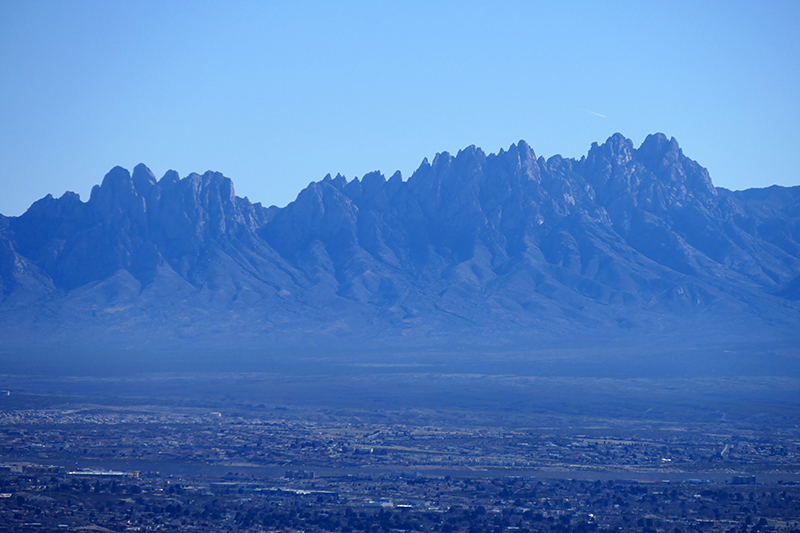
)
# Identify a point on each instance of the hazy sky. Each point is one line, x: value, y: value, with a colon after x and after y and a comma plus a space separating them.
x: 277, y: 94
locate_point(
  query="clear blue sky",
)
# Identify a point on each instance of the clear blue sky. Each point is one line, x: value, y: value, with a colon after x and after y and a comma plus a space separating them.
x: 277, y: 94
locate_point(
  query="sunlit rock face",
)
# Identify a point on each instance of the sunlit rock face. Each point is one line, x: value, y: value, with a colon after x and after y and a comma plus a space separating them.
x: 497, y: 249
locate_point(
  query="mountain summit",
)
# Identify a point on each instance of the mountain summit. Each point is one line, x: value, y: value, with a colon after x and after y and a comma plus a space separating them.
x: 498, y: 249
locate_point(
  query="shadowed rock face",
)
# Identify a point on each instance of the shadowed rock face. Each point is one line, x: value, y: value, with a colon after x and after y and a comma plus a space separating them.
x: 498, y: 248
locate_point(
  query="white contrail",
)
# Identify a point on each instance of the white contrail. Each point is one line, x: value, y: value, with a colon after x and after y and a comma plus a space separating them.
x: 595, y: 114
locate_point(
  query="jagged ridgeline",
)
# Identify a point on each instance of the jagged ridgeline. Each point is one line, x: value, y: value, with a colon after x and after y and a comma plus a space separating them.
x: 499, y: 249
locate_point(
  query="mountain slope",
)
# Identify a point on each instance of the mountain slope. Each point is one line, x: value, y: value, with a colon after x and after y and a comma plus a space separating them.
x: 504, y: 248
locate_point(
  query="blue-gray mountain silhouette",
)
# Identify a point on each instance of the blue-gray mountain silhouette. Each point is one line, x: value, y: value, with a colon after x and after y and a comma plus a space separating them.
x: 500, y: 248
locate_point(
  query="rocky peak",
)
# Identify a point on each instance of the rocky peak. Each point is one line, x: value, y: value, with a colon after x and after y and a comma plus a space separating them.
x: 655, y: 177
x: 143, y: 179
x: 616, y: 151
x: 117, y: 195
x: 217, y: 182
x: 51, y: 208
x: 469, y: 162
x: 521, y: 153
x: 665, y: 159
x: 519, y: 161
x: 170, y: 177
x: 211, y: 190
x: 340, y: 182
x: 525, y: 150
x: 394, y: 184
x: 115, y: 183
x: 441, y: 162
x: 319, y: 212
x: 215, y: 202
x: 606, y: 168
x: 372, y: 183
x: 471, y: 153
x: 657, y: 151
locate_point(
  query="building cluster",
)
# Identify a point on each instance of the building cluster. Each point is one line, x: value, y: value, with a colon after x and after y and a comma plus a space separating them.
x: 129, y: 470
x: 48, y: 499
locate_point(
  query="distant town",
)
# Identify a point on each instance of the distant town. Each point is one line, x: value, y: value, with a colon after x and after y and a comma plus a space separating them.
x: 184, y: 469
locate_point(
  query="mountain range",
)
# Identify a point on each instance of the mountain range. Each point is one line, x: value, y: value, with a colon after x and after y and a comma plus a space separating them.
x: 505, y: 249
